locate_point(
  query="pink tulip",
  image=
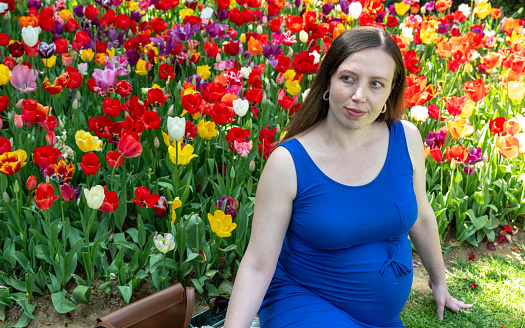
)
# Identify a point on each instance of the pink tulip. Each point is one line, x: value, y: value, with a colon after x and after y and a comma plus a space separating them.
x: 24, y: 79
x: 19, y: 121
x: 243, y: 148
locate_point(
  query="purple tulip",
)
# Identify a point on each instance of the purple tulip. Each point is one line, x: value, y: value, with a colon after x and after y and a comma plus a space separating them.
x: 474, y: 156
x: 184, y: 33
x: 79, y: 10
x: 344, y: 6
x: 230, y: 205
x: 133, y: 57
x: 46, y: 50
x: 435, y: 139
x: 34, y: 4
x: 478, y: 30
x: 215, y: 29
x: 442, y: 28
x: 327, y: 8
x: 469, y: 170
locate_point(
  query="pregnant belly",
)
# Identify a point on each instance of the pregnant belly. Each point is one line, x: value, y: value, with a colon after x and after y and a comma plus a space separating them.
x: 371, y: 282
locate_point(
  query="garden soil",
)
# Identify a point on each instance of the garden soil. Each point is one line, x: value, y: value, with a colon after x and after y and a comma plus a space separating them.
x: 101, y: 303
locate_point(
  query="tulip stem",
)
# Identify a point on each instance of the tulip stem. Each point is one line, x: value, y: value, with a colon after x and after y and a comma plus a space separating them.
x: 89, y: 269
x: 113, y: 170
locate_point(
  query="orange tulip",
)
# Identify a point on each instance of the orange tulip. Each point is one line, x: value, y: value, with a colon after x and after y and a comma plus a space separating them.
x: 437, y: 155
x: 509, y: 146
x: 442, y: 5
x: 511, y: 127
x: 460, y: 128
x: 457, y: 154
x: 475, y: 90
x: 492, y: 60
x: 254, y: 46
x: 57, y: 86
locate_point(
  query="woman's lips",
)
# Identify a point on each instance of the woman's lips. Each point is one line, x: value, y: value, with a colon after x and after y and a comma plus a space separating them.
x: 355, y: 112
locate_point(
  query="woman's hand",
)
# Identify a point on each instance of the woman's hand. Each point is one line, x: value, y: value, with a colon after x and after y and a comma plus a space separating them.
x: 443, y: 298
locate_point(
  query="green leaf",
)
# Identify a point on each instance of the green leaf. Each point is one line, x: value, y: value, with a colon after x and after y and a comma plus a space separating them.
x: 126, y: 292
x: 197, y: 285
x: 61, y: 304
x: 81, y: 294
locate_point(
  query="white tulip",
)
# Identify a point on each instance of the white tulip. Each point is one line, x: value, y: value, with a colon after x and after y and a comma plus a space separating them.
x: 240, y: 106
x: 3, y: 7
x: 164, y: 243
x: 95, y: 197
x: 303, y: 36
x: 465, y: 9
x: 419, y: 113
x: 246, y: 72
x: 207, y: 13
x: 176, y: 128
x: 30, y: 35
x: 355, y: 9
x: 317, y: 56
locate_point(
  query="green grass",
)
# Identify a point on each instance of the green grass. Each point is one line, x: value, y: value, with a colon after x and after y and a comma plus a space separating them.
x: 499, y: 299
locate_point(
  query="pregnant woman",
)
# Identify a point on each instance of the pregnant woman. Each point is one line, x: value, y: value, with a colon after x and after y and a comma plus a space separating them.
x: 337, y: 201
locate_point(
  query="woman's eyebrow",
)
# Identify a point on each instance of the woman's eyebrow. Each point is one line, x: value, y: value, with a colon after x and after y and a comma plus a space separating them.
x: 354, y: 73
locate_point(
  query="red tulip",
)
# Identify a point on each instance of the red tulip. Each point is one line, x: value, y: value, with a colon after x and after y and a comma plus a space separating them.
x: 110, y: 202
x: 31, y: 183
x: 144, y: 198
x: 475, y: 90
x: 129, y: 147
x: 67, y: 193
x: 112, y: 157
x: 45, y: 156
x: 496, y: 125
x: 90, y: 164
x: 161, y: 207
x: 45, y: 196
x: 50, y: 123
x: 5, y: 146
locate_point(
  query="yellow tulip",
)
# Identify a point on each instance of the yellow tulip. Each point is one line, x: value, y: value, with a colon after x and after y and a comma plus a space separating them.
x: 401, y: 8
x: 49, y: 62
x: 185, y: 12
x: 206, y: 130
x: 221, y: 224
x: 516, y: 90
x: 243, y: 38
x: 86, y: 142
x: 4, y: 74
x: 289, y: 74
x: 175, y: 204
x: 184, y: 155
x: 65, y: 15
x: 292, y: 87
x: 111, y: 52
x: 467, y: 110
x: 203, y: 71
x: 483, y: 10
x: 141, y: 67
x: 428, y: 36
x: 459, y: 128
x: 87, y: 55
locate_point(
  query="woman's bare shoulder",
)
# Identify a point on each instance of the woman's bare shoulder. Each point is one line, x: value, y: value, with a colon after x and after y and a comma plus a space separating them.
x: 279, y: 172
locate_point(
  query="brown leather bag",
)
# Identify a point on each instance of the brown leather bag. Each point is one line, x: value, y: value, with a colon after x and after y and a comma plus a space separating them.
x: 169, y: 308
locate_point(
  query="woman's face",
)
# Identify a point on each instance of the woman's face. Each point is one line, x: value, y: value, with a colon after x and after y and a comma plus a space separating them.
x: 360, y: 87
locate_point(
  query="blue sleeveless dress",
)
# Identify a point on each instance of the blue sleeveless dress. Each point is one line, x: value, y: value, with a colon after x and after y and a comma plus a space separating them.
x: 346, y: 260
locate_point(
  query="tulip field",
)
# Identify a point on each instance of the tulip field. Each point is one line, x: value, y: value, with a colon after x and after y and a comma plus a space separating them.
x: 133, y: 133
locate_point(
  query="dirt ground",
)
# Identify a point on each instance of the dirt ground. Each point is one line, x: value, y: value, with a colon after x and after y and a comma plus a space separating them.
x: 102, y: 303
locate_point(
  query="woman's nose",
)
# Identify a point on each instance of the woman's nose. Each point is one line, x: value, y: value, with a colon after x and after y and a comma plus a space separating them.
x: 359, y: 94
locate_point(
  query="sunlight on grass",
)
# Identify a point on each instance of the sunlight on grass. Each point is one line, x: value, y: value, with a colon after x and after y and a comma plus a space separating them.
x: 499, y: 298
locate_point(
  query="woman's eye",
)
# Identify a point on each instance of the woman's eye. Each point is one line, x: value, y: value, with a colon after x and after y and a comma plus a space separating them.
x: 377, y: 84
x: 347, y: 78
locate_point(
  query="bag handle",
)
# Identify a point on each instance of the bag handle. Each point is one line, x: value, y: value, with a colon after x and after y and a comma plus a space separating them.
x: 104, y: 324
x: 190, y: 302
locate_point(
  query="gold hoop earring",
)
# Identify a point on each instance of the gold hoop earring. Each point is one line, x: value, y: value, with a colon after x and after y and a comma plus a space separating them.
x: 326, y: 95
x: 384, y: 109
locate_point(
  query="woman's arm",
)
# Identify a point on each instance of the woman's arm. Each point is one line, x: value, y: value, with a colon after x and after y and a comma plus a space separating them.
x: 424, y: 234
x: 273, y: 207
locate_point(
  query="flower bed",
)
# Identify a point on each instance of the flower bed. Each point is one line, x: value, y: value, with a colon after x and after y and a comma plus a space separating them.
x: 127, y: 125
